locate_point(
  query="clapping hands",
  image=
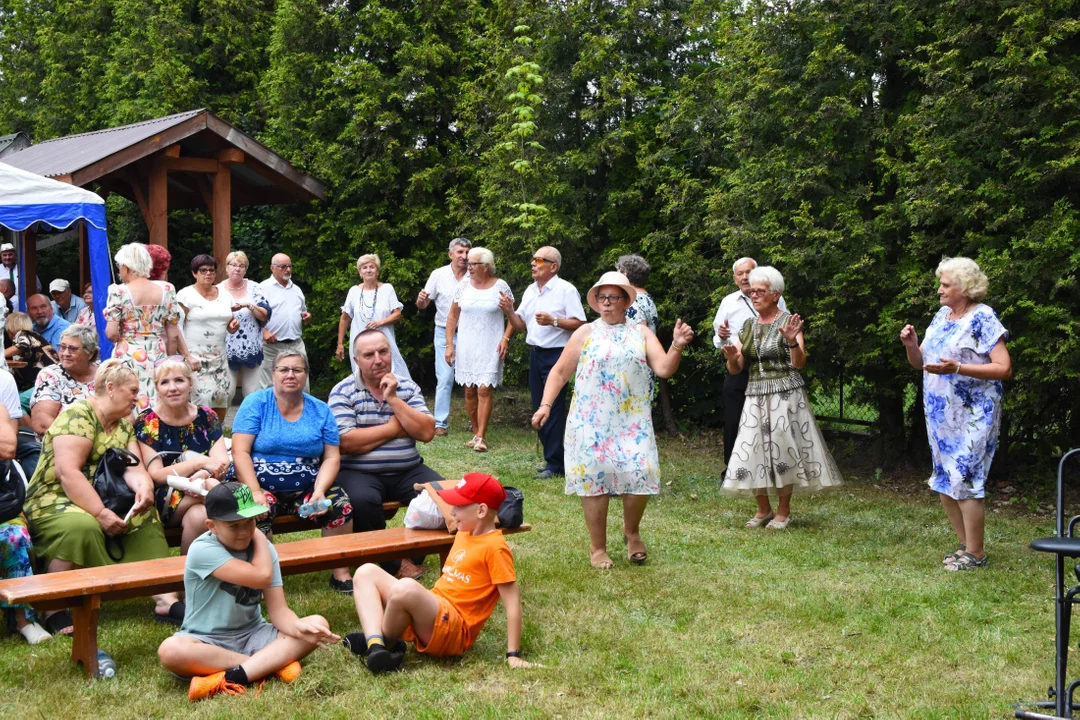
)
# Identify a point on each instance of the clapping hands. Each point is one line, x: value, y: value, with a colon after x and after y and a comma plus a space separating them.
x: 791, y: 329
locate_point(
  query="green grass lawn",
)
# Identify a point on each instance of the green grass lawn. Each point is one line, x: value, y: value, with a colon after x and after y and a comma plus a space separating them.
x: 846, y: 614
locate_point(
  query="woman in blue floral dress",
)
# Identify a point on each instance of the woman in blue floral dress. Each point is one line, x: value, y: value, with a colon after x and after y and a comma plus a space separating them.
x: 964, y: 359
x: 609, y: 442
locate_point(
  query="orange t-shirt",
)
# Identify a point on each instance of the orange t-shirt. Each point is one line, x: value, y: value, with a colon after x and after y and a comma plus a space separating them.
x: 475, y: 566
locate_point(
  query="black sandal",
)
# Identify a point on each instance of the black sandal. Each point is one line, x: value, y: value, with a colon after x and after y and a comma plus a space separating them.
x: 58, y: 622
x: 175, y: 616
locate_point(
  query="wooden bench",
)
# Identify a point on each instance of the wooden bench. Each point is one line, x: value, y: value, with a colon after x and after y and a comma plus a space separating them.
x: 84, y: 590
x: 283, y: 524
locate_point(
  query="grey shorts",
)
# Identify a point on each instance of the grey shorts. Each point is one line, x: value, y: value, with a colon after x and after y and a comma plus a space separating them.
x: 246, y: 642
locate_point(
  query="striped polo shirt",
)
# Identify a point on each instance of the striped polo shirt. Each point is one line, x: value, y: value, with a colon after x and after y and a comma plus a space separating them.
x: 354, y: 406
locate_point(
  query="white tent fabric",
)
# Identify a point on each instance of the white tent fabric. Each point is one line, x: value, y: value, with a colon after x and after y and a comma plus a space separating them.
x: 19, y: 187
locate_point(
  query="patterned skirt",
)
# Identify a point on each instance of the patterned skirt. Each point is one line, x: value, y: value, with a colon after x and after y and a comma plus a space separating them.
x: 779, y: 448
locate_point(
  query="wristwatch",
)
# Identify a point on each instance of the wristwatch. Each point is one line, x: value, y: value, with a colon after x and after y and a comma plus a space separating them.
x: 555, y: 322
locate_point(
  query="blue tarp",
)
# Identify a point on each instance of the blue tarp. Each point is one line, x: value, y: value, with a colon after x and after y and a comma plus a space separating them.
x: 27, y: 199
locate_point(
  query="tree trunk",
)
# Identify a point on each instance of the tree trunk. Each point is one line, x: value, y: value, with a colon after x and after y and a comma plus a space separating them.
x: 670, y: 426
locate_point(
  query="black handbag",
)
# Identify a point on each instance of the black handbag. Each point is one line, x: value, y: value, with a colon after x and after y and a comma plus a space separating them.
x: 109, y: 480
x: 512, y: 510
x: 12, y: 492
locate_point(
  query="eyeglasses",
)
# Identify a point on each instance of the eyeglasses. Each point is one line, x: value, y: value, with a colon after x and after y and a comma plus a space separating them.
x: 604, y: 299
x: 474, y: 264
x: 68, y: 348
x: 758, y: 291
x: 234, y: 264
x: 283, y: 267
x: 285, y: 370
x: 539, y: 260
x: 206, y: 271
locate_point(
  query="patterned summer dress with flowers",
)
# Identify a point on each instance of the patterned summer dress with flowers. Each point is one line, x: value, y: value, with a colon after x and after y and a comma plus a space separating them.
x: 142, y: 333
x: 609, y: 442
x: 198, y: 436
x: 205, y: 329
x: 963, y: 414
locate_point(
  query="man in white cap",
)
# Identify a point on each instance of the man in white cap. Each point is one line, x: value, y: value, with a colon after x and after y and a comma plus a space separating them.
x: 549, y: 313
x: 65, y: 305
x: 9, y: 268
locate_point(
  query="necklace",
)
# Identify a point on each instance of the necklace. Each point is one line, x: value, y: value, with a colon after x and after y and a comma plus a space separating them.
x: 367, y: 312
x: 241, y: 286
x: 956, y: 316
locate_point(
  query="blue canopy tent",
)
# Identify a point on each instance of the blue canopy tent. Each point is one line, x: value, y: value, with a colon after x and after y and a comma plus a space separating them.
x: 27, y: 200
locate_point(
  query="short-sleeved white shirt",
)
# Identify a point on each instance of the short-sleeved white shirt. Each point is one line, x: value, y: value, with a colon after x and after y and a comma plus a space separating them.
x: 737, y: 309
x: 440, y: 287
x: 557, y: 298
x: 286, y: 304
x: 9, y: 395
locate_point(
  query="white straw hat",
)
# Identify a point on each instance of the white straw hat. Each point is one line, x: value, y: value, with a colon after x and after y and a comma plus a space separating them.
x: 611, y: 278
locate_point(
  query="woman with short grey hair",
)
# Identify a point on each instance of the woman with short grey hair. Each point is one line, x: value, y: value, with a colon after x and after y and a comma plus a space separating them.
x: 636, y: 271
x: 142, y: 317
x: 779, y: 449
x: 71, y: 379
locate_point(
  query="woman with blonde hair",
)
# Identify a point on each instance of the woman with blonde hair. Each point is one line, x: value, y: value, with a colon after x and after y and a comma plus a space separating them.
x: 371, y: 305
x: 181, y: 438
x: 964, y: 359
x: 251, y: 311
x: 69, y: 523
x: 141, y: 319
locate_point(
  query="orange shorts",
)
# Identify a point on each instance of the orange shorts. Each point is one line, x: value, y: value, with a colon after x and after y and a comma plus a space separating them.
x: 448, y: 638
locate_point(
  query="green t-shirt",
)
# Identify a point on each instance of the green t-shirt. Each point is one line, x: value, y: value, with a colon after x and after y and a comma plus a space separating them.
x: 45, y: 494
x: 215, y: 607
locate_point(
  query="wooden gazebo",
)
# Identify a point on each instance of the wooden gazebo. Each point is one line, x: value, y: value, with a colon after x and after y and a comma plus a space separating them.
x: 188, y: 160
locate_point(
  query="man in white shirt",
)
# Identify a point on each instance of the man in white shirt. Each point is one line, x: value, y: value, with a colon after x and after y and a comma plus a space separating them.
x: 288, y: 315
x: 440, y: 289
x: 735, y: 309
x: 550, y: 311
x: 9, y: 270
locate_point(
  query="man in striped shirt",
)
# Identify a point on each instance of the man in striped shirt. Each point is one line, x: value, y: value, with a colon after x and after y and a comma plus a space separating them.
x: 380, y: 416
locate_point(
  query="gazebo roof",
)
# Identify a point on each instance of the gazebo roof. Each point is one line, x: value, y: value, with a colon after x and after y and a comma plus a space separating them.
x: 111, y: 157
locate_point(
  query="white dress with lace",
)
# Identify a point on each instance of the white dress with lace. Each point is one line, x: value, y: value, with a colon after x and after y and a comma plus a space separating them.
x: 363, y: 307
x: 479, y: 329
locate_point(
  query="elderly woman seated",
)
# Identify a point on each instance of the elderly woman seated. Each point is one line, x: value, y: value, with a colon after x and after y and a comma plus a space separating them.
x: 181, y: 439
x: 59, y: 385
x: 286, y: 449
x: 70, y: 525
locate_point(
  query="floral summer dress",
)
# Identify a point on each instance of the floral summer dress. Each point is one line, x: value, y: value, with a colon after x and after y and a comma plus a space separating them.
x: 609, y: 442
x: 142, y: 333
x: 205, y: 329
x: 963, y: 414
x: 198, y: 436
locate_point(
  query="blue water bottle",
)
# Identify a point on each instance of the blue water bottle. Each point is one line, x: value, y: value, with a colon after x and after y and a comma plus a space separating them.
x: 106, y: 666
x: 310, y: 508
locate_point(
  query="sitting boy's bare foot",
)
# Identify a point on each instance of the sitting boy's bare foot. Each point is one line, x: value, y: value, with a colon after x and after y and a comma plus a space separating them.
x: 600, y: 560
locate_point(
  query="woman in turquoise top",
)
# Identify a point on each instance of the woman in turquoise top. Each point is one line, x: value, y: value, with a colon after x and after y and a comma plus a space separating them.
x: 779, y: 448
x: 286, y: 449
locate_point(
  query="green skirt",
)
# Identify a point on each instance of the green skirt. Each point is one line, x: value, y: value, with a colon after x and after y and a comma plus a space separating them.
x: 74, y: 535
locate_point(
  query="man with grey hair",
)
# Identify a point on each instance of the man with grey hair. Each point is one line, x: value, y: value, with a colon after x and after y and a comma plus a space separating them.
x: 549, y: 313
x: 288, y: 315
x: 440, y: 289
x: 735, y: 309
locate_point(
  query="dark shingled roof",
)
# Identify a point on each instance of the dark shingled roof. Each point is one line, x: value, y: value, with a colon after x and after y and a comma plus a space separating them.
x: 264, y: 178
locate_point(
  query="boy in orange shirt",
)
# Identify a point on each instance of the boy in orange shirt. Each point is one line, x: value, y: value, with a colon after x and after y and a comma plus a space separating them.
x: 447, y: 619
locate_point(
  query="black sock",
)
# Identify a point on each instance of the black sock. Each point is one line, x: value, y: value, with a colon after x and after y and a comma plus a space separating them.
x: 237, y: 675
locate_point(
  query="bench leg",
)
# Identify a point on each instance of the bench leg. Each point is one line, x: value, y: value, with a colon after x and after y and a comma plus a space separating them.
x: 84, y: 647
x: 444, y: 555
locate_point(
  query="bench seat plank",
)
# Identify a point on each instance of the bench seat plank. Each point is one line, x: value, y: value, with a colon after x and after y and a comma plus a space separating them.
x: 85, y: 588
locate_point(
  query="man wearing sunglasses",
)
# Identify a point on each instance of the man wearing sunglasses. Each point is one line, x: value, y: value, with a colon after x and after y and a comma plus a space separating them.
x: 735, y: 309
x: 288, y: 315
x: 550, y: 312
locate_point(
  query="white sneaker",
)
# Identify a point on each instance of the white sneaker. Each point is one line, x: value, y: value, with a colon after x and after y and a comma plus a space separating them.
x: 34, y: 634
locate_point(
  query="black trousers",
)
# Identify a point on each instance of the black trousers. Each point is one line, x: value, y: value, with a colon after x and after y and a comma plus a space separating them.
x: 368, y: 491
x: 734, y: 397
x: 541, y: 360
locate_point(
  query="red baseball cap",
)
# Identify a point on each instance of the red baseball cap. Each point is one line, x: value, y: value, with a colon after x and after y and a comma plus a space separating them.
x: 475, y: 488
